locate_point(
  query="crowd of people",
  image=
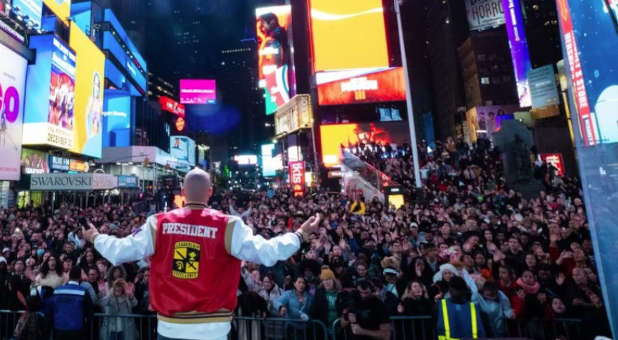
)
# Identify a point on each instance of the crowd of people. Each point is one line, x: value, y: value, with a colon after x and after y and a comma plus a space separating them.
x: 524, y: 262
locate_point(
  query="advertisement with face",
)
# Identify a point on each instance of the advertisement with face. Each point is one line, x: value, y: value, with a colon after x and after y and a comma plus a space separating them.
x: 88, y: 111
x: 34, y: 162
x: 52, y: 76
x: 12, y: 86
x: 275, y: 59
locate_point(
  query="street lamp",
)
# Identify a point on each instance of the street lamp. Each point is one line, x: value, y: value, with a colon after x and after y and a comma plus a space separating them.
x: 411, y: 126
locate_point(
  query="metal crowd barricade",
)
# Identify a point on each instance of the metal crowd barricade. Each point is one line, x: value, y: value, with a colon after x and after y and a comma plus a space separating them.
x: 123, y: 326
x: 8, y: 321
x: 277, y: 329
x: 413, y: 327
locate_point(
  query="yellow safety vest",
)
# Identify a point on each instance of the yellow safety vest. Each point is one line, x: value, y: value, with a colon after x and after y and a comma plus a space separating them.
x: 447, y: 326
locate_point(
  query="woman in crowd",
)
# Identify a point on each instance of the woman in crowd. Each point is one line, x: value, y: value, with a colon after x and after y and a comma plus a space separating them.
x: 118, y: 301
x: 50, y: 274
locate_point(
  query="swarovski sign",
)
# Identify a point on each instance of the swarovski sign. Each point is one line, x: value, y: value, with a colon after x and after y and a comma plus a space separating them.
x: 55, y: 182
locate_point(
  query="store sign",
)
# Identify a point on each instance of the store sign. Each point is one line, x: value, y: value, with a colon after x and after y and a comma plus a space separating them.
x: 66, y: 181
x: 293, y: 115
x: 484, y: 14
x: 125, y: 181
x: 59, y: 163
x: 79, y: 166
x: 172, y: 106
x: 297, y: 177
x: 554, y: 159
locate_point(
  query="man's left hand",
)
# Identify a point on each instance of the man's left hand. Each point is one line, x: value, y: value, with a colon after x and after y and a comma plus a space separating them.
x: 91, y: 233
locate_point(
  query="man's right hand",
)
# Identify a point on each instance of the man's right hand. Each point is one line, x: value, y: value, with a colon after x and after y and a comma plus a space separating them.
x: 90, y: 233
x: 310, y: 226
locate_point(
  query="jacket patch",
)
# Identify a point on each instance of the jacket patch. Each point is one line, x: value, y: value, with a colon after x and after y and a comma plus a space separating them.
x: 186, y: 262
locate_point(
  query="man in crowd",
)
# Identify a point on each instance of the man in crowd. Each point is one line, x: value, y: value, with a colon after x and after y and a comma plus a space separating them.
x: 70, y: 308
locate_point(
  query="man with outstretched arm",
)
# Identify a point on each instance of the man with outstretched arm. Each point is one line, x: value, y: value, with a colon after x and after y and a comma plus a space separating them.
x: 196, y: 255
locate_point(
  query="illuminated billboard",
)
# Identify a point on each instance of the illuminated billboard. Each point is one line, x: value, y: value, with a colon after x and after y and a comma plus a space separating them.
x: 270, y: 162
x: 29, y: 10
x: 589, y: 31
x: 335, y: 136
x: 34, y: 161
x: 88, y: 110
x: 48, y: 118
x: 361, y: 86
x: 350, y: 53
x: 198, y: 91
x: 116, y: 118
x: 182, y: 148
x: 275, y: 56
x: 172, y: 106
x: 12, y: 83
x: 519, y: 49
x: 348, y: 34
x: 484, y: 14
x: 60, y: 8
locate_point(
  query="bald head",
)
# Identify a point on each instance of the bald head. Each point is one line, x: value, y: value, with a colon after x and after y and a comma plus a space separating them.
x: 197, y: 187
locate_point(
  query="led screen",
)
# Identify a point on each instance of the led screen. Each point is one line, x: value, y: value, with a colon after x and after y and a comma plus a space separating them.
x: 182, y: 149
x: 519, y: 49
x: 270, y: 162
x: 88, y: 110
x: 361, y: 86
x: 116, y: 119
x: 29, y: 10
x: 348, y: 34
x: 12, y: 91
x: 198, y: 91
x: 335, y: 136
x: 246, y: 159
x: 275, y: 56
x: 52, y: 77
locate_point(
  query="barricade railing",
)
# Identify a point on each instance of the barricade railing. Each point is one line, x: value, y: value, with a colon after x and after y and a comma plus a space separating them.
x: 143, y: 327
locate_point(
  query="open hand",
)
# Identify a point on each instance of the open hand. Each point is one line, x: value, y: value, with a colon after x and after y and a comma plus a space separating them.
x: 311, y: 225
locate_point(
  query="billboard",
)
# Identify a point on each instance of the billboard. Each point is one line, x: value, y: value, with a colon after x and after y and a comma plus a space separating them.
x: 544, y: 92
x: 297, y: 177
x: 48, y: 118
x: 484, y: 14
x: 29, y: 10
x: 348, y: 34
x: 116, y: 118
x: 57, y: 163
x: 275, y: 56
x: 61, y: 8
x: 589, y: 30
x: 484, y: 121
x: 554, y: 159
x: 335, y: 136
x: 350, y: 53
x: 198, y: 91
x: 88, y: 110
x: 182, y: 148
x: 361, y: 86
x: 519, y: 49
x: 12, y: 86
x: 172, y: 106
x: 270, y: 162
x: 294, y: 115
x: 34, y: 162
x: 246, y: 159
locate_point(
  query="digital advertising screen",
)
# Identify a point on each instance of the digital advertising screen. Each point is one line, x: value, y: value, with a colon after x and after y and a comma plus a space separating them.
x: 88, y: 108
x: 30, y: 10
x: 335, y: 136
x: 12, y: 90
x: 172, y: 106
x: 544, y: 92
x: 61, y: 8
x: 116, y: 119
x: 183, y: 149
x: 350, y: 53
x: 591, y: 73
x: 51, y: 121
x: 198, y: 91
x: 270, y: 162
x: 275, y: 56
x: 34, y: 161
x: 519, y: 49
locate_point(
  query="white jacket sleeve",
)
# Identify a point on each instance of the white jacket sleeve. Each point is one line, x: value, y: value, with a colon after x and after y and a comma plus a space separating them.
x: 254, y: 248
x: 134, y: 247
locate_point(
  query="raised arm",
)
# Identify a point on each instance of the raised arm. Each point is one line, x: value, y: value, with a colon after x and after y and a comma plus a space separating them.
x: 242, y: 244
x: 134, y: 247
